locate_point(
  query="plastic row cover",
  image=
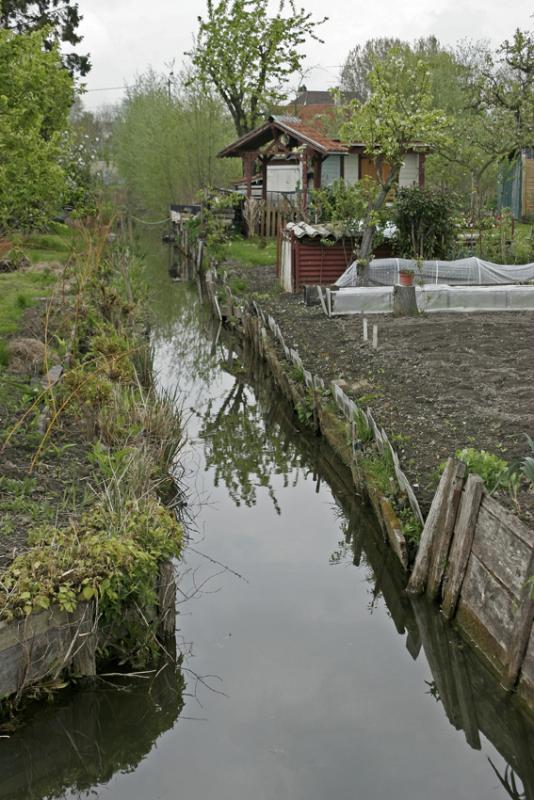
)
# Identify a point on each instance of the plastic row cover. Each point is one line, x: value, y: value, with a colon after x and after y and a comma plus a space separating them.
x: 466, y: 271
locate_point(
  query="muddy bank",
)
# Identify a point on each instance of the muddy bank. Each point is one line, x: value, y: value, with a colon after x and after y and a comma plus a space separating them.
x: 436, y: 384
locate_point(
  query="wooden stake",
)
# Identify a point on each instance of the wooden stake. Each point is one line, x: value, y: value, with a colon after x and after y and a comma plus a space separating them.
x: 417, y: 582
x: 464, y: 532
x: 443, y: 536
x: 375, y: 337
x: 365, y: 331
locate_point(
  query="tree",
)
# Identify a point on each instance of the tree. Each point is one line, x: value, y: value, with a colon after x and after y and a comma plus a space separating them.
x: 397, y: 117
x: 491, y: 108
x: 507, y: 89
x: 60, y: 18
x: 36, y: 95
x: 165, y: 144
x: 247, y: 56
x: 360, y: 61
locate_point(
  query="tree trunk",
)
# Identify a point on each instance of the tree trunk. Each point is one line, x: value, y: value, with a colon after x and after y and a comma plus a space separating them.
x: 369, y: 228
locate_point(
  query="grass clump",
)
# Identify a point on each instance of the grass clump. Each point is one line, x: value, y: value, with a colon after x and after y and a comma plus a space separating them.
x: 250, y: 252
x: 380, y: 469
x: 18, y: 291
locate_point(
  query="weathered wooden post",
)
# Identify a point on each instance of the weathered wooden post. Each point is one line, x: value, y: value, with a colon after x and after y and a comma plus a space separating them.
x: 464, y: 532
x: 166, y: 600
x: 439, y: 525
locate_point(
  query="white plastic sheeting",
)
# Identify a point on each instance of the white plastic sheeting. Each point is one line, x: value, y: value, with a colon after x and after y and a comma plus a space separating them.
x: 432, y: 298
x: 466, y: 271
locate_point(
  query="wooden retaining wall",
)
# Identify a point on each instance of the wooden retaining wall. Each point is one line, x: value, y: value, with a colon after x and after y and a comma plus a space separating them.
x: 47, y: 644
x: 477, y: 559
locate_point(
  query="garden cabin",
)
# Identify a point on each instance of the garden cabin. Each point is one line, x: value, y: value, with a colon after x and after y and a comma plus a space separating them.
x: 296, y: 156
x: 515, y: 189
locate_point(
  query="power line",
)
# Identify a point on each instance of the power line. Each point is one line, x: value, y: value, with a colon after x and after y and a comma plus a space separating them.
x: 106, y: 89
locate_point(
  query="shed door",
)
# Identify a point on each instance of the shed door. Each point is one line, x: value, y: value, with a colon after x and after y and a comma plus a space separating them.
x: 368, y: 168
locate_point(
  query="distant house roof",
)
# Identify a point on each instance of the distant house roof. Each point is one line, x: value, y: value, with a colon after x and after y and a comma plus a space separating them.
x: 300, y: 132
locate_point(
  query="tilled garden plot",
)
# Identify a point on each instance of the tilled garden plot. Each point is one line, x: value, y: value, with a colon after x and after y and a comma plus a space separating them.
x: 436, y: 383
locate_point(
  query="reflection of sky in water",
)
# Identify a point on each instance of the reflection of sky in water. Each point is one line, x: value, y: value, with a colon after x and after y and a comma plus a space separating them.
x: 321, y: 698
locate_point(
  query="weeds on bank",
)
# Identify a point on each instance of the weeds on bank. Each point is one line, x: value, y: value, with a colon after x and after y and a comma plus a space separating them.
x: 111, y: 554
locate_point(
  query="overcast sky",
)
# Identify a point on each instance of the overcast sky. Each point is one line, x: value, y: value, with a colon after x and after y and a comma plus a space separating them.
x: 123, y: 37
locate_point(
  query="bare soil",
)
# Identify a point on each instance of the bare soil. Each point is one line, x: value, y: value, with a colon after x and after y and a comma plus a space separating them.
x: 436, y: 383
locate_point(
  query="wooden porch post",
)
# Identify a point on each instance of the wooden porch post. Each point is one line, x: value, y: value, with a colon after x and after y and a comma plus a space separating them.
x: 264, y: 179
x: 304, y: 161
x: 422, y: 157
x: 248, y: 162
x: 317, y: 164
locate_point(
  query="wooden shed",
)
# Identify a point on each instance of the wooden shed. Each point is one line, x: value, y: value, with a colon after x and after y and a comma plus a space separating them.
x: 315, y: 255
x: 515, y: 189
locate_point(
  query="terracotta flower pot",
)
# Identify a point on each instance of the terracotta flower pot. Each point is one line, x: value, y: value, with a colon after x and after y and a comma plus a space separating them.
x: 405, y: 278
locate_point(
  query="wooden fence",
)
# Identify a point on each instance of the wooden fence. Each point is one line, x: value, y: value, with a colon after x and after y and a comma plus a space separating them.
x: 478, y: 559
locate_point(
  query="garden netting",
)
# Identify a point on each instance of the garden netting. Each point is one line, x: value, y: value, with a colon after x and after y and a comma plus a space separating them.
x: 465, y: 271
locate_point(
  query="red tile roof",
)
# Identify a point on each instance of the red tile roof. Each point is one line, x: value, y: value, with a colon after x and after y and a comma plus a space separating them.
x: 307, y: 131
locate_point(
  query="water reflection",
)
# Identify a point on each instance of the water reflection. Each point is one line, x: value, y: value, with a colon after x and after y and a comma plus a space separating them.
x: 85, y: 739
x: 343, y: 715
x: 243, y: 451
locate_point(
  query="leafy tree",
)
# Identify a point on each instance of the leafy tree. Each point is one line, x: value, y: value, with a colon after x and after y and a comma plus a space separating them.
x: 165, y: 144
x: 507, y: 88
x: 360, y: 61
x: 398, y: 114
x: 35, y: 99
x: 246, y: 55
x: 60, y: 18
x: 359, y: 64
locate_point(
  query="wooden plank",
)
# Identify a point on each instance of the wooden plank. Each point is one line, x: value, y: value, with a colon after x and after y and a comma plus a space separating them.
x: 167, y: 599
x: 464, y: 532
x: 523, y: 622
x: 84, y: 644
x: 394, y: 532
x: 491, y: 605
x: 443, y: 536
x: 527, y: 671
x: 419, y: 576
x: 503, y: 544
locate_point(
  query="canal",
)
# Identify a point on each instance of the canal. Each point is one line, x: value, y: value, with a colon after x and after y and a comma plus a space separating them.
x: 304, y: 672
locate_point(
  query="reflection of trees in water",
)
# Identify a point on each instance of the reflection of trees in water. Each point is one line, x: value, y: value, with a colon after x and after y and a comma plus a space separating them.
x: 246, y: 449
x: 86, y: 738
x: 185, y: 351
x: 509, y: 782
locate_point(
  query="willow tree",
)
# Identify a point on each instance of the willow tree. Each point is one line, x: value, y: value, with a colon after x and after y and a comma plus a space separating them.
x: 247, y: 55
x: 165, y: 143
x: 397, y: 117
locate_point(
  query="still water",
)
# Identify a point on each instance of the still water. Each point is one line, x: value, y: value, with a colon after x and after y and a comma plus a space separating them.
x: 306, y: 673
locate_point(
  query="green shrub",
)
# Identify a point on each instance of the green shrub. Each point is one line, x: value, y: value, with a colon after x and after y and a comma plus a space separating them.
x: 425, y: 222
x: 492, y: 469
